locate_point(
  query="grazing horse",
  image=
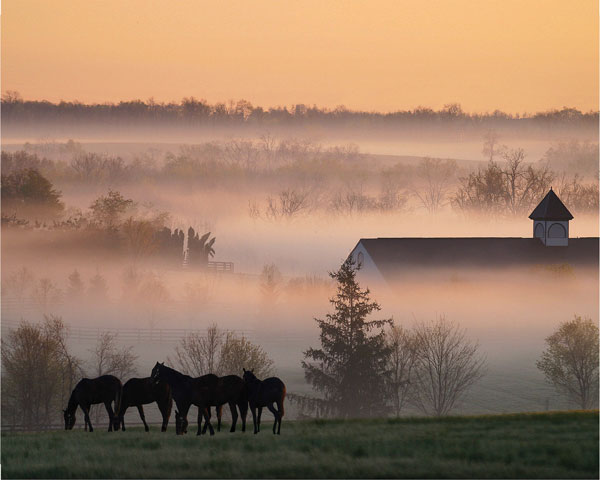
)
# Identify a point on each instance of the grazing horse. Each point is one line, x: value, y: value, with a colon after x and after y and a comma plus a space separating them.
x: 188, y: 391
x: 264, y: 393
x: 88, y: 392
x: 232, y: 390
x: 141, y: 391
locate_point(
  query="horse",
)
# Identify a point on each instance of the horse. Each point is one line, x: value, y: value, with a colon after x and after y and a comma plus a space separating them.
x: 188, y: 391
x: 231, y: 390
x: 265, y: 393
x: 88, y: 392
x: 141, y: 391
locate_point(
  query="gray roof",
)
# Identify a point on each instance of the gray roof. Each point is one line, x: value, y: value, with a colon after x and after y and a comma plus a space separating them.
x: 392, y: 255
x: 551, y: 208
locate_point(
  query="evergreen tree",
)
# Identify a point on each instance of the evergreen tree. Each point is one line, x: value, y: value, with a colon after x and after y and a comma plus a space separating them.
x: 350, y: 367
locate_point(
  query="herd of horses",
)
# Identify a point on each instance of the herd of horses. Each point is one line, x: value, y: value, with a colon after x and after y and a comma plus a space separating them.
x: 166, y: 385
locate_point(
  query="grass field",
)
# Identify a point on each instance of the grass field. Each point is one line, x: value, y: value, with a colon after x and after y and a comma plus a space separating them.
x: 544, y: 445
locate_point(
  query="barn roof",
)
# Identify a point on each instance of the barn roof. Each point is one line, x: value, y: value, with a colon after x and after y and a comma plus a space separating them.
x: 394, y: 256
x: 551, y: 208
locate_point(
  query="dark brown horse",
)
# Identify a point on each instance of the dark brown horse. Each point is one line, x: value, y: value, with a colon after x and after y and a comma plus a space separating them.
x: 188, y: 391
x: 141, y: 391
x: 231, y: 390
x: 88, y: 392
x: 265, y: 393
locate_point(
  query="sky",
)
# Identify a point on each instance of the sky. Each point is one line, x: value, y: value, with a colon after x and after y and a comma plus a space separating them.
x: 516, y: 56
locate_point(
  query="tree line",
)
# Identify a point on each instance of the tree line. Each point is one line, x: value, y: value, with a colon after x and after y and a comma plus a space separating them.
x: 199, y: 112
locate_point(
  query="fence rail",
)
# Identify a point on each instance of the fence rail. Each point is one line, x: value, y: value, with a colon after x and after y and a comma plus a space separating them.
x: 226, y: 267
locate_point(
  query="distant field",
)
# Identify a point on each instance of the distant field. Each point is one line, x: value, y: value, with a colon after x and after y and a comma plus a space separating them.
x: 545, y: 445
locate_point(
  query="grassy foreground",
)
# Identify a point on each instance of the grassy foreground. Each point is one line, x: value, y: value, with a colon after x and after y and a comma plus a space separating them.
x: 544, y: 445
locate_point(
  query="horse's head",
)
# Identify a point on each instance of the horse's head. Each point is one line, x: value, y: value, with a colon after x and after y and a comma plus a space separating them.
x: 156, y: 371
x: 116, y: 422
x: 248, y: 375
x: 69, y: 420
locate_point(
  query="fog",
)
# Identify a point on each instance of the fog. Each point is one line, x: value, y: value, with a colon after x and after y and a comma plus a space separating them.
x: 509, y: 312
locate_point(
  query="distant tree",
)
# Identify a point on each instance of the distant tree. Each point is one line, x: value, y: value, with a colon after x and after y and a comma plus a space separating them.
x: 238, y: 353
x: 200, y: 249
x: 198, y: 354
x: 574, y: 157
x: 435, y: 177
x: 491, y: 148
x: 447, y: 364
x: 270, y: 284
x: 507, y: 188
x: 350, y: 368
x: 38, y: 372
x: 108, y: 210
x: 110, y: 359
x: 18, y: 283
x: 98, y: 289
x: 76, y: 288
x: 140, y: 238
x: 570, y: 361
x: 220, y: 352
x: 29, y: 194
x: 403, y: 346
x: 46, y: 294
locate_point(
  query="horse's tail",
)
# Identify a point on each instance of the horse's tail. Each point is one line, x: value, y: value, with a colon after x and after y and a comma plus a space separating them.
x: 281, y: 411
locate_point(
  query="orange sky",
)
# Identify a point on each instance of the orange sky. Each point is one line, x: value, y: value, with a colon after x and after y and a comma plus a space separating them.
x: 517, y: 56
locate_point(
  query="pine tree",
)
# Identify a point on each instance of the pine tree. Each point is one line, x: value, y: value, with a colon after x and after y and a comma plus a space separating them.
x: 350, y: 367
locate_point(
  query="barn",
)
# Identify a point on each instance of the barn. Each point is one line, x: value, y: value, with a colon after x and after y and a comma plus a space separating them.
x: 388, y: 260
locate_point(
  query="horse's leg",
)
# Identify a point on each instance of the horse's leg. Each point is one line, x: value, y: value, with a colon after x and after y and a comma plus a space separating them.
x: 207, y: 420
x: 243, y: 406
x: 143, y: 417
x: 234, y: 416
x: 275, y: 414
x: 183, y: 418
x: 111, y: 415
x: 200, y: 420
x: 165, y: 411
x: 86, y: 416
x: 259, y: 415
x: 280, y: 412
x: 219, y: 410
x: 122, y: 417
x: 253, y: 410
x: 200, y: 414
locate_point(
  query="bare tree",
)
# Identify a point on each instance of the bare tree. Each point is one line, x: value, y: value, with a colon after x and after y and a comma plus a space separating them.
x: 436, y: 176
x: 270, y: 283
x: 46, y: 294
x: 570, y: 361
x: 511, y: 187
x: 238, y: 353
x: 288, y: 204
x: 109, y: 359
x: 523, y: 185
x: 447, y: 365
x: 491, y: 148
x: 18, y: 283
x: 403, y: 354
x: 198, y: 354
x: 219, y: 352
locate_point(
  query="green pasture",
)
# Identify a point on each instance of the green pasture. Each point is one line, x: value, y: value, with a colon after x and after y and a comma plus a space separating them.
x: 539, y: 445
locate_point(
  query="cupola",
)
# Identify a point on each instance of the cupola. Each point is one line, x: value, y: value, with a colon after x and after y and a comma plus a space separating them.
x: 551, y: 221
